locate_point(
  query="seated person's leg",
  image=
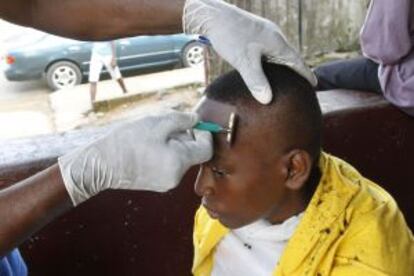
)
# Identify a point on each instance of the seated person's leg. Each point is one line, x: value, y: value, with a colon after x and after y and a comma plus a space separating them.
x: 355, y: 74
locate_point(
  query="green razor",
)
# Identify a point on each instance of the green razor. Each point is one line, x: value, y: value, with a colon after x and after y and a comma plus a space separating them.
x: 216, y: 128
x: 209, y: 126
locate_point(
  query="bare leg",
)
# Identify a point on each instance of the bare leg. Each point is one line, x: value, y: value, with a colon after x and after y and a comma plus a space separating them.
x: 93, y: 88
x: 122, y: 84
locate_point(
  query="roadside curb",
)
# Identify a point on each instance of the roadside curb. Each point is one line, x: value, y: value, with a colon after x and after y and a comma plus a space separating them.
x: 109, y: 104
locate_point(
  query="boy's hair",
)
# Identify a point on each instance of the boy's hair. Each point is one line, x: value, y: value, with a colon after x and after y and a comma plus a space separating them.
x: 302, y: 112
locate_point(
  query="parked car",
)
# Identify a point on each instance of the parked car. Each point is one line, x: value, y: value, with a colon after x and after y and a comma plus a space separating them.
x: 64, y: 62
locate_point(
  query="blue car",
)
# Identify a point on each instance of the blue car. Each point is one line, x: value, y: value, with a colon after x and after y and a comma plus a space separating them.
x: 65, y: 62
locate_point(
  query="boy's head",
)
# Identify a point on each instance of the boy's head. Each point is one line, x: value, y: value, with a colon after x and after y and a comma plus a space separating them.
x: 267, y: 172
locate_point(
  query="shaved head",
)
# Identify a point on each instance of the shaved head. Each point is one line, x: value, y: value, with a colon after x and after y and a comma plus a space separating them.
x: 294, y: 112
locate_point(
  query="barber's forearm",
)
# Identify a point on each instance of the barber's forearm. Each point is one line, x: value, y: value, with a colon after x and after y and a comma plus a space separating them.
x: 17, y: 11
x: 29, y: 205
x: 96, y: 19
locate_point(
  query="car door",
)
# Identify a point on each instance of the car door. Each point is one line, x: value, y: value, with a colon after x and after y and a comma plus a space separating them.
x: 80, y: 51
x: 144, y: 51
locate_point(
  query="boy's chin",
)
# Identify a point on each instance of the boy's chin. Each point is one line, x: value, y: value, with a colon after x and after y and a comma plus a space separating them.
x: 227, y: 221
x: 232, y: 224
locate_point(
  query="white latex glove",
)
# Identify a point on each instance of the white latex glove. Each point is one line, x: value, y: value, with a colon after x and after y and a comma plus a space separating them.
x: 152, y: 153
x: 242, y: 38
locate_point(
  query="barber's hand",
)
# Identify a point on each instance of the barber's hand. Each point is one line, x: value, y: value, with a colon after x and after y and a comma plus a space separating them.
x: 242, y: 39
x: 152, y: 153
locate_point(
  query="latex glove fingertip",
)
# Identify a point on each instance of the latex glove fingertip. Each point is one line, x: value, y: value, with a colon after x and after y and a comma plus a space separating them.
x: 203, y: 146
x: 201, y: 135
x: 263, y: 94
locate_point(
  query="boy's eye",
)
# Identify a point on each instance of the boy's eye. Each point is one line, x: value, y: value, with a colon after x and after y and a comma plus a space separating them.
x: 218, y: 172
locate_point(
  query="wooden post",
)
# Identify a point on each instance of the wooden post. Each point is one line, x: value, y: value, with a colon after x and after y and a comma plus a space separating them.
x: 300, y: 29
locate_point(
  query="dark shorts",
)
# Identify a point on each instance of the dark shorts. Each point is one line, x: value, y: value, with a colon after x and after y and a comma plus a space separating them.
x: 355, y: 74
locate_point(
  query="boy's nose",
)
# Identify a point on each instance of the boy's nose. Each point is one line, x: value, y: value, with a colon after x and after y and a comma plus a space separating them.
x: 203, y: 185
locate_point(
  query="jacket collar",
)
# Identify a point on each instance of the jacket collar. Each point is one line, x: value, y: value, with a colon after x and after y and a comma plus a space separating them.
x: 324, y: 217
x: 212, y: 232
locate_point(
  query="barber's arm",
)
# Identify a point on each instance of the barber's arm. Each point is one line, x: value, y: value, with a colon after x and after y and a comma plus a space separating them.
x: 152, y: 153
x: 29, y: 205
x: 96, y: 19
x: 386, y: 34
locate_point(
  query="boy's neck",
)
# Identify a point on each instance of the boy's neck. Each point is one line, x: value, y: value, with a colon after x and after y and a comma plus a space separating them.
x: 294, y: 204
x: 297, y: 201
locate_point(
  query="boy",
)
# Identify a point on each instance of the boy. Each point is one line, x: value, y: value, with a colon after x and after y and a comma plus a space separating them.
x: 274, y: 204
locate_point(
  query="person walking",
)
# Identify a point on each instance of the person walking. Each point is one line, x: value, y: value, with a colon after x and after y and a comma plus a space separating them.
x: 104, y: 55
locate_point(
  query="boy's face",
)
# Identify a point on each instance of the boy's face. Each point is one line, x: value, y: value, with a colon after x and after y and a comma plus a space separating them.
x: 244, y: 182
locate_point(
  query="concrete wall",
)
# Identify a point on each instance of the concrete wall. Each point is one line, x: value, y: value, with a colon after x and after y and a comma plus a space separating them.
x: 328, y: 25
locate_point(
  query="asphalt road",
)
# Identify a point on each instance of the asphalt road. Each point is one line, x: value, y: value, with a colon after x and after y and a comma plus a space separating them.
x: 11, y: 90
x: 28, y: 108
x: 24, y: 109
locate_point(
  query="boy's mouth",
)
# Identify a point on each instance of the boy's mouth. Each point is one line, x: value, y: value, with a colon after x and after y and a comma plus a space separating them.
x: 211, y: 212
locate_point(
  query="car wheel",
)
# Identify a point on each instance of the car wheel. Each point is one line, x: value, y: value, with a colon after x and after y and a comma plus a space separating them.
x: 63, y: 74
x: 193, y: 54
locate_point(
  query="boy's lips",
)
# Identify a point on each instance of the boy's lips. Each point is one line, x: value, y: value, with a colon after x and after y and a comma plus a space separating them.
x: 212, y: 213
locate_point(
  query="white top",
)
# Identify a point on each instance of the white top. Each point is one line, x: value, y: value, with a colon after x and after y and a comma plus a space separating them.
x: 102, y: 48
x: 254, y: 249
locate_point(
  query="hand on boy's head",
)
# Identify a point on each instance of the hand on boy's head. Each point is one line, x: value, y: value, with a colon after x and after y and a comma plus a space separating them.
x: 220, y: 22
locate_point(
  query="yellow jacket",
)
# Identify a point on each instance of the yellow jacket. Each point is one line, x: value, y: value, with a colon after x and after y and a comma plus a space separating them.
x: 350, y: 227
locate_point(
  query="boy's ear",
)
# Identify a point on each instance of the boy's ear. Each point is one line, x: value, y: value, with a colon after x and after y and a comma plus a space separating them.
x: 299, y: 164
